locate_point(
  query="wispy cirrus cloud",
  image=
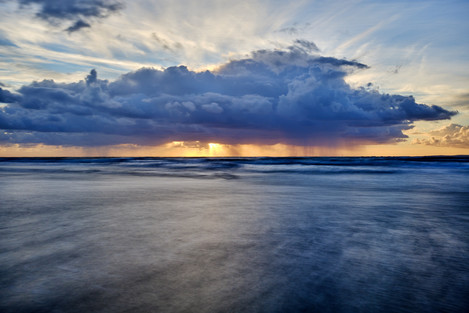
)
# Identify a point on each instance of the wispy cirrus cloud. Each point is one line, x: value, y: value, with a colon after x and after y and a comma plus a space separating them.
x: 288, y: 96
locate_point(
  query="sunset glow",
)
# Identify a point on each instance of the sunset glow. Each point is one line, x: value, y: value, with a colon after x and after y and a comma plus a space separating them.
x: 234, y: 156
x: 116, y: 78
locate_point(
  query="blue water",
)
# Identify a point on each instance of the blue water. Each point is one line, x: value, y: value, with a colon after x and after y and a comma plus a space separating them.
x: 234, y: 234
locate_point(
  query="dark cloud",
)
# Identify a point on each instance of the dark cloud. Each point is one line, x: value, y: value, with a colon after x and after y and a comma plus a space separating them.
x: 80, y: 12
x: 8, y: 97
x: 77, y: 26
x: 273, y: 96
x: 53, y: 9
x: 92, y: 77
x: 308, y: 45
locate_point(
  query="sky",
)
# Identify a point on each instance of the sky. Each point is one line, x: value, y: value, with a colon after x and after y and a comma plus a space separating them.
x: 233, y: 78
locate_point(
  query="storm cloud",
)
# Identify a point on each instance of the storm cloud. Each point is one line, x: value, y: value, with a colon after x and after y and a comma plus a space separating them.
x: 79, y: 12
x: 273, y: 96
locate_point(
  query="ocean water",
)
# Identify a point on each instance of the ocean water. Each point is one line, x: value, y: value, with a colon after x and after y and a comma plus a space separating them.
x: 234, y: 234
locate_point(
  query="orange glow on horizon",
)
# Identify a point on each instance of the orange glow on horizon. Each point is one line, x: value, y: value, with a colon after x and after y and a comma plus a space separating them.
x: 212, y: 149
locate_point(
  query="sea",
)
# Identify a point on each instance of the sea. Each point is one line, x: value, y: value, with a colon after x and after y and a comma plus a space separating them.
x: 320, y: 234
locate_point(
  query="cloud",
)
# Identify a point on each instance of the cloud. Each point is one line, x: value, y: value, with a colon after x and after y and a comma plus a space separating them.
x: 77, y: 26
x: 273, y: 96
x: 80, y: 12
x: 452, y: 135
x: 7, y: 97
x: 308, y: 45
x: 291, y: 30
x: 294, y: 29
x: 165, y: 44
x: 461, y: 100
x: 4, y: 41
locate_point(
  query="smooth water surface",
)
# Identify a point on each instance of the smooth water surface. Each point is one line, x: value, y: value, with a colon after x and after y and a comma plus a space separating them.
x: 234, y: 235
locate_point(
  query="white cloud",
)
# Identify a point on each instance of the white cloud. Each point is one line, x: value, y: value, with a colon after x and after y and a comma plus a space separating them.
x: 452, y: 135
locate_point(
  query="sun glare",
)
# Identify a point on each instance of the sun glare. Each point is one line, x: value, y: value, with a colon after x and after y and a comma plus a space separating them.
x: 214, y: 149
x: 213, y: 146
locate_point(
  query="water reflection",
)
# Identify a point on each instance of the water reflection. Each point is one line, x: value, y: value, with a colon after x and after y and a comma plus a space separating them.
x: 266, y: 242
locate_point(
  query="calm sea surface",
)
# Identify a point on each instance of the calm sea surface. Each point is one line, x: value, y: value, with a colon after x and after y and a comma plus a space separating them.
x: 234, y: 235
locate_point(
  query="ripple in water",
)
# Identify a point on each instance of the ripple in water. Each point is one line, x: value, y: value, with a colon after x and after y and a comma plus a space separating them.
x: 234, y: 235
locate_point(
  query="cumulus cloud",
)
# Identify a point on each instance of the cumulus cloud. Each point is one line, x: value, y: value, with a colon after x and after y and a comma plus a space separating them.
x: 273, y: 96
x: 80, y: 12
x: 7, y: 97
x: 452, y: 135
